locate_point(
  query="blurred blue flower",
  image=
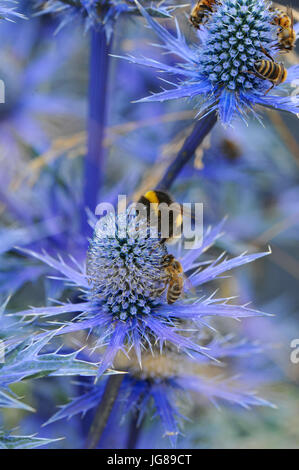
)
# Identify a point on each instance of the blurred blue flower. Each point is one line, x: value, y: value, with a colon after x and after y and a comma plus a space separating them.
x: 122, y: 300
x: 30, y: 104
x: 96, y: 13
x: 8, y: 440
x: 47, y: 217
x: 163, y: 384
x: 221, y: 70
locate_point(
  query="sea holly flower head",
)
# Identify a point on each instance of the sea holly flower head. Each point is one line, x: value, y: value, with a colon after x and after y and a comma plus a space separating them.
x: 125, y: 269
x: 122, y: 301
x: 221, y: 71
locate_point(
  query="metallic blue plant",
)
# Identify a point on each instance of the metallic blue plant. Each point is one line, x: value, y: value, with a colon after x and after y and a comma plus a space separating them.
x: 220, y: 71
x: 8, y: 440
x: 99, y: 17
x: 164, y: 382
x: 122, y: 301
x: 97, y: 13
x: 21, y: 359
x: 29, y: 103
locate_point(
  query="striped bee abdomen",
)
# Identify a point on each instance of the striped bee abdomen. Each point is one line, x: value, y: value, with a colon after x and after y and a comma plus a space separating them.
x: 270, y: 70
x: 174, y: 290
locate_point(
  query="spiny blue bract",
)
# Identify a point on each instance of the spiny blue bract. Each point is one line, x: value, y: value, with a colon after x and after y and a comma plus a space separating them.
x: 221, y: 70
x: 164, y: 379
x: 121, y: 304
x: 8, y: 12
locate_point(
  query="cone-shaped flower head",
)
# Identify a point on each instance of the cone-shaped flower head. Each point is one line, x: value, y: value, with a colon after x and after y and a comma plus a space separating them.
x: 236, y: 34
x: 224, y: 70
x: 124, y: 266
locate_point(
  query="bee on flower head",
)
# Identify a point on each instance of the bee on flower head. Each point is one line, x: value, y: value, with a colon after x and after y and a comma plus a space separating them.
x: 154, y: 201
x: 286, y: 35
x: 201, y: 11
x: 270, y: 70
x: 173, y: 276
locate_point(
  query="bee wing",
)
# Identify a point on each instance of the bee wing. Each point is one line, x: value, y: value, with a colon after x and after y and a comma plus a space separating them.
x: 191, y: 287
x: 292, y: 18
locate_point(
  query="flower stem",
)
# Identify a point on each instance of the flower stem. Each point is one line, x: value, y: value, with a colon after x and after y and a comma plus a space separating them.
x: 94, y: 161
x: 135, y: 427
x: 103, y: 410
x: 199, y: 132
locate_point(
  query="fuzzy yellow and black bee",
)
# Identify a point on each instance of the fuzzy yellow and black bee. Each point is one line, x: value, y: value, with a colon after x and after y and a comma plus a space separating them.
x: 270, y: 70
x: 201, y: 11
x: 152, y: 200
x: 286, y: 35
x: 173, y: 278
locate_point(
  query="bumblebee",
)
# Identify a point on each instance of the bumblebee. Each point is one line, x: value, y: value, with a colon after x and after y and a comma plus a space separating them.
x: 201, y: 11
x: 286, y: 34
x: 270, y: 70
x: 174, y: 278
x: 151, y: 200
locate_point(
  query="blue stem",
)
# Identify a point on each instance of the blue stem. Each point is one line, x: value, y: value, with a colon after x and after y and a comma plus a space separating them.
x: 104, y: 409
x: 94, y: 161
x: 199, y: 132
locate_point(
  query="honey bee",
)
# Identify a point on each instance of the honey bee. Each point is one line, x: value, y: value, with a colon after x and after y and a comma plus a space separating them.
x: 270, y: 70
x: 201, y: 11
x: 175, y: 218
x: 286, y: 35
x: 174, y: 281
x: 281, y: 18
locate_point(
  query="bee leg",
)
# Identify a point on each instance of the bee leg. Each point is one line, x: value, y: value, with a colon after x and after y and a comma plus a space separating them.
x: 270, y: 88
x: 278, y: 46
x: 266, y: 53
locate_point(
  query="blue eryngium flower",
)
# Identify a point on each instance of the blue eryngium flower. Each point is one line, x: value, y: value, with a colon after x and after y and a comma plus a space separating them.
x: 122, y: 304
x: 165, y: 380
x: 96, y: 13
x: 220, y: 70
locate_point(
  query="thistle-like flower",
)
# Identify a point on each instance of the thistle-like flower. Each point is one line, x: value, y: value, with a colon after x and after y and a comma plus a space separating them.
x: 223, y: 70
x: 123, y: 304
x: 162, y: 384
x: 96, y: 13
